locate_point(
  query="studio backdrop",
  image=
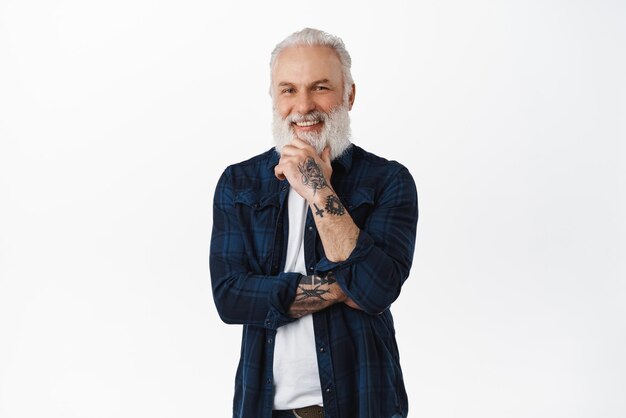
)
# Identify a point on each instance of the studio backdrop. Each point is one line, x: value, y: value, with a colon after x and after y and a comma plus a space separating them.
x: 117, y: 119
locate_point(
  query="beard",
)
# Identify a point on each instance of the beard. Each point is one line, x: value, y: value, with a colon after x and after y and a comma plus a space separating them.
x: 335, y: 131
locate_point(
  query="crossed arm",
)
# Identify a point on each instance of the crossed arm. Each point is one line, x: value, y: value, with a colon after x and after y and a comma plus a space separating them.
x: 309, y: 175
x: 366, y: 275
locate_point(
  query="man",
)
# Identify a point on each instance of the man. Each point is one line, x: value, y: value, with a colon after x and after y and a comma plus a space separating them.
x: 311, y: 244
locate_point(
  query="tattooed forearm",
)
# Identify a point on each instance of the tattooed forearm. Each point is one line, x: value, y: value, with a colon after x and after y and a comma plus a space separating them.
x: 313, y: 280
x: 312, y: 175
x: 334, y: 206
x: 313, y: 286
x: 314, y: 293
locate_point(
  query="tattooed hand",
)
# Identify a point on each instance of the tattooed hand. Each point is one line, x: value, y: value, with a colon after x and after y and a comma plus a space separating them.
x: 312, y: 175
x: 309, y: 175
x: 314, y: 294
x: 306, y: 171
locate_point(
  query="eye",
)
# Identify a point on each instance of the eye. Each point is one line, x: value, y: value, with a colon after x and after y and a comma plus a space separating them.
x: 320, y: 88
x: 287, y: 90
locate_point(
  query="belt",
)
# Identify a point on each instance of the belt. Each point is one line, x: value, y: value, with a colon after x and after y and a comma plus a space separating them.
x: 306, y: 412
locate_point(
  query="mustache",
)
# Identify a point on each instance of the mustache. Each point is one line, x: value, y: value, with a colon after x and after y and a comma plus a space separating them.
x: 307, y: 117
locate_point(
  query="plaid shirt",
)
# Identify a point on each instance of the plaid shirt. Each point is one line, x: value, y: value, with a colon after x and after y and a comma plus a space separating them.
x: 357, y: 354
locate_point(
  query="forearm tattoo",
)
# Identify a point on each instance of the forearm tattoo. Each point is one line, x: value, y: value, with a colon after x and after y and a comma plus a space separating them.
x: 319, y: 211
x: 313, y: 294
x: 312, y: 175
x: 334, y: 206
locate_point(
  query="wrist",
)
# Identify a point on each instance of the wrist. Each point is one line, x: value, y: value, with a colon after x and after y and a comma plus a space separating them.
x: 319, y: 196
x: 326, y: 203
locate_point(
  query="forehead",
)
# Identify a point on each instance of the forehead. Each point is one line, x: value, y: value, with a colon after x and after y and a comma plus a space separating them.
x: 305, y: 64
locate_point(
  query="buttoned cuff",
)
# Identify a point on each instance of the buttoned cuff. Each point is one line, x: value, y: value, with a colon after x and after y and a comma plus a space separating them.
x: 280, y: 299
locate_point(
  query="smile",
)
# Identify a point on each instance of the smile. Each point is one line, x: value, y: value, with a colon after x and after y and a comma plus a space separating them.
x: 305, y: 124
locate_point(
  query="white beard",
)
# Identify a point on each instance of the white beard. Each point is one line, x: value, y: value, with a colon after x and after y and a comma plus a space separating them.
x: 335, y: 133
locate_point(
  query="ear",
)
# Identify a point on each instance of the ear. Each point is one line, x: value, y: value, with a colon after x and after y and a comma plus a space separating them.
x: 351, y: 97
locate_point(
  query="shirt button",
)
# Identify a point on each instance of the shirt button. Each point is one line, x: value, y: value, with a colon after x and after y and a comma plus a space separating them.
x: 268, y: 322
x: 269, y: 381
x: 322, y: 349
x: 311, y: 268
x: 310, y: 228
x: 269, y: 341
x: 327, y: 390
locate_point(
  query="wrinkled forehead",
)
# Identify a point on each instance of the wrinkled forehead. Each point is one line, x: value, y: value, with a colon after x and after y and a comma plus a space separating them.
x: 301, y: 65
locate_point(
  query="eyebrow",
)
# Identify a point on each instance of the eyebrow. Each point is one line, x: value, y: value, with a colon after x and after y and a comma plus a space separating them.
x: 322, y: 81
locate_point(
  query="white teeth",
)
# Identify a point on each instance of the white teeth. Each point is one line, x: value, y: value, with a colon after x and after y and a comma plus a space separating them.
x: 307, y: 123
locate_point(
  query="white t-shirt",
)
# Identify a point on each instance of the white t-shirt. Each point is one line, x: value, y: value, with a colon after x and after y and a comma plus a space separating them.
x: 296, y: 376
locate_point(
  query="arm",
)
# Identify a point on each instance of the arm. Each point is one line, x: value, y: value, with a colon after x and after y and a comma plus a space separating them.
x: 301, y: 166
x: 370, y: 265
x: 314, y: 294
x: 338, y: 232
x: 375, y: 270
x: 240, y: 296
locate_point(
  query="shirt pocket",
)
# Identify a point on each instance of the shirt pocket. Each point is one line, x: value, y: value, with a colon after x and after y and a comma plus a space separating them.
x: 360, y: 204
x: 257, y: 213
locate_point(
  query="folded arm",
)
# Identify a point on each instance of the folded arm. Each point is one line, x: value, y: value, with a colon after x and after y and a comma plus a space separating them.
x: 369, y: 264
x: 372, y: 275
x: 240, y: 296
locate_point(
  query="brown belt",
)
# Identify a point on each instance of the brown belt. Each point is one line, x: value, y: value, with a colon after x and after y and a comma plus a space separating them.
x: 309, y: 412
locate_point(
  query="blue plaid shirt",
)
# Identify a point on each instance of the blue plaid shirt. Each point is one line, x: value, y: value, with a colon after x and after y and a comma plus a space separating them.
x: 357, y: 355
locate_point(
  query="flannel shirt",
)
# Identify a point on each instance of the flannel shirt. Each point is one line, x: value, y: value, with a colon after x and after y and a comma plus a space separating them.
x: 357, y: 355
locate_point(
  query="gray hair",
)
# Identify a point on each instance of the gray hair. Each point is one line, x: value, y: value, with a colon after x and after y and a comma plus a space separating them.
x: 315, y: 37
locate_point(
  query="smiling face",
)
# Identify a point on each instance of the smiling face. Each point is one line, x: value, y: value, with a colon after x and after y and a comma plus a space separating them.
x: 308, y: 93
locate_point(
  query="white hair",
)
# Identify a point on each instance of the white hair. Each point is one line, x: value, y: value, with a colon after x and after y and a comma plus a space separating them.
x: 315, y: 37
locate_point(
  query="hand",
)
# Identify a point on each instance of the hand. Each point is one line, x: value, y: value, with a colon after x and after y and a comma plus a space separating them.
x: 352, y: 304
x: 315, y: 293
x: 305, y: 171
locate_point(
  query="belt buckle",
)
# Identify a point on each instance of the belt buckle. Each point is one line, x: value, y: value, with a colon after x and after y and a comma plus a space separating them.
x: 309, y: 412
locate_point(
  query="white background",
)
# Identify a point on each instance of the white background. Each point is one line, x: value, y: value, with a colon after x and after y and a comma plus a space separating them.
x: 117, y: 117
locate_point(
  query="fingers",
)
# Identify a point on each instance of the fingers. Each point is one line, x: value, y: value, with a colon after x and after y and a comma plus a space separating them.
x: 326, y: 155
x: 298, y: 143
x: 298, y: 153
x: 295, y: 154
x: 352, y: 304
x: 278, y: 172
x: 287, y: 167
x: 291, y: 151
x: 298, y: 147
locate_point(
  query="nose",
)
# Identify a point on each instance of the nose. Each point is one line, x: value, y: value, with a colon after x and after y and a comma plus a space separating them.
x: 304, y: 103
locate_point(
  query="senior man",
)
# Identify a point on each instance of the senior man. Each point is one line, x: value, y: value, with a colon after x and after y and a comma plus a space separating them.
x: 312, y: 241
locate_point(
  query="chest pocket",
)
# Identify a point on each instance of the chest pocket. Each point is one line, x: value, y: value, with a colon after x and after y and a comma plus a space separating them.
x: 258, y: 215
x: 360, y: 204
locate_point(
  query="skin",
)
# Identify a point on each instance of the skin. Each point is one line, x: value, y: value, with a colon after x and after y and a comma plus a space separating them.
x: 304, y: 79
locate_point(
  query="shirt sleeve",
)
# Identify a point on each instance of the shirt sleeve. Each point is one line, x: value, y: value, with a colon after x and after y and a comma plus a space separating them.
x: 373, y: 274
x: 242, y: 297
